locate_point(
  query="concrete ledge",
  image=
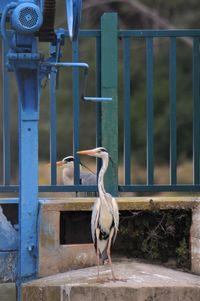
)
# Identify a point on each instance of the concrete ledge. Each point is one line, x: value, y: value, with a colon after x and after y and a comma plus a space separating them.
x: 125, y: 203
x: 142, y: 282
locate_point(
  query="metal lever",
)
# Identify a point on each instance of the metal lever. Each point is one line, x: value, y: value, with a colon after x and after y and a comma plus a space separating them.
x: 84, y: 86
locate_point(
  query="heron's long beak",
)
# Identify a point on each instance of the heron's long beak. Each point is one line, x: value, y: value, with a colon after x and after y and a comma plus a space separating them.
x: 59, y: 163
x: 90, y: 152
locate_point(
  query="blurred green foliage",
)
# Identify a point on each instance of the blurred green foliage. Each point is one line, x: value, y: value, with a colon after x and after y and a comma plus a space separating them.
x: 158, y: 235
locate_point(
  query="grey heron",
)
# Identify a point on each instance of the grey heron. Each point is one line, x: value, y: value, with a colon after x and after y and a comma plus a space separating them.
x: 86, y: 177
x: 105, y: 213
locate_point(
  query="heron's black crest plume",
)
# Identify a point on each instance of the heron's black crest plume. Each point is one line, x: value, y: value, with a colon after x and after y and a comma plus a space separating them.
x: 71, y: 159
x: 68, y: 159
x: 111, y: 160
x: 103, y: 149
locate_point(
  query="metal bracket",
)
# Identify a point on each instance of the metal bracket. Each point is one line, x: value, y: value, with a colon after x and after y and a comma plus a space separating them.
x: 23, y: 60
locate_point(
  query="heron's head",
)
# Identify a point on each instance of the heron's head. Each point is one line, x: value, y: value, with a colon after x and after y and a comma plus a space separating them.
x: 68, y: 164
x: 99, y: 152
x: 67, y: 161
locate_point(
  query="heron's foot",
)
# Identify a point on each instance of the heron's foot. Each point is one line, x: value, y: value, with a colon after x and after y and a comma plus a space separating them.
x: 118, y: 279
x: 102, y: 280
x: 106, y: 261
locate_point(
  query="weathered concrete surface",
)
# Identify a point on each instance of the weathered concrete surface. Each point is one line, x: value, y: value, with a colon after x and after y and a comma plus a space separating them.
x: 8, y: 235
x: 195, y: 241
x: 137, y: 282
x: 8, y: 292
x: 8, y: 266
x: 8, y: 249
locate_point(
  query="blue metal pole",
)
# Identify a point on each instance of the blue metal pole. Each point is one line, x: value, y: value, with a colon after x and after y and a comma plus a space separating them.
x: 76, y: 112
x: 53, y: 140
x: 28, y: 86
x: 6, y: 119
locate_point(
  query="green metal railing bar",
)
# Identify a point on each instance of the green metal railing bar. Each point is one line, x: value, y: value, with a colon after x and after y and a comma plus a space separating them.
x: 149, y: 72
x: 109, y: 111
x: 196, y: 111
x: 127, y: 112
x: 172, y: 94
x: 159, y: 33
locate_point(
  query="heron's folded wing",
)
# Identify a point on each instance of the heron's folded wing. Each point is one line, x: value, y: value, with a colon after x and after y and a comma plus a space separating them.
x: 95, y: 218
x: 116, y: 212
x: 88, y: 178
x: 115, y: 216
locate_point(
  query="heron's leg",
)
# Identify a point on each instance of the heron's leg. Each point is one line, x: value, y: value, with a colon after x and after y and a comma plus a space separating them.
x: 109, y: 256
x: 108, y: 252
x: 97, y: 238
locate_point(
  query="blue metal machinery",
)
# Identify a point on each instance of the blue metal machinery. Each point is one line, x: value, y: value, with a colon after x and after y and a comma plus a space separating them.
x: 23, y: 59
x: 30, y: 21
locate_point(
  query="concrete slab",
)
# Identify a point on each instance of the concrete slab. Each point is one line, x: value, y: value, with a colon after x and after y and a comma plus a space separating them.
x: 138, y: 282
x: 8, y: 292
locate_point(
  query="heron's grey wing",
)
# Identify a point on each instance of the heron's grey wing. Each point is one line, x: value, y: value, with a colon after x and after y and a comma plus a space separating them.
x: 95, y: 218
x: 115, y: 213
x: 88, y: 178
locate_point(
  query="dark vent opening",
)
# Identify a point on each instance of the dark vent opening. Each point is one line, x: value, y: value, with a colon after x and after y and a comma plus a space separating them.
x: 11, y: 212
x: 75, y: 227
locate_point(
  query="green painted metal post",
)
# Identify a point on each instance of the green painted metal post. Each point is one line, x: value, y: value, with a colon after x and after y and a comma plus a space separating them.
x: 109, y: 111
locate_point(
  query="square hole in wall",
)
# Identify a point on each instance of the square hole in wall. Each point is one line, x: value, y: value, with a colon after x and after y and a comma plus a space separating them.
x: 75, y: 227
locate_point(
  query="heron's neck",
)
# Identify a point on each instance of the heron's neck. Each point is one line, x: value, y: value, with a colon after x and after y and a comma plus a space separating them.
x: 101, y: 176
x: 68, y: 171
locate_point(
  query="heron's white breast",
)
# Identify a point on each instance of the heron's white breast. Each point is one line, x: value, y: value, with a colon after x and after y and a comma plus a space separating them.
x: 68, y: 176
x: 68, y: 173
x: 105, y: 219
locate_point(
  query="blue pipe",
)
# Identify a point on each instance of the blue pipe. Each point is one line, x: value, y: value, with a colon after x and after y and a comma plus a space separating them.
x: 3, y: 20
